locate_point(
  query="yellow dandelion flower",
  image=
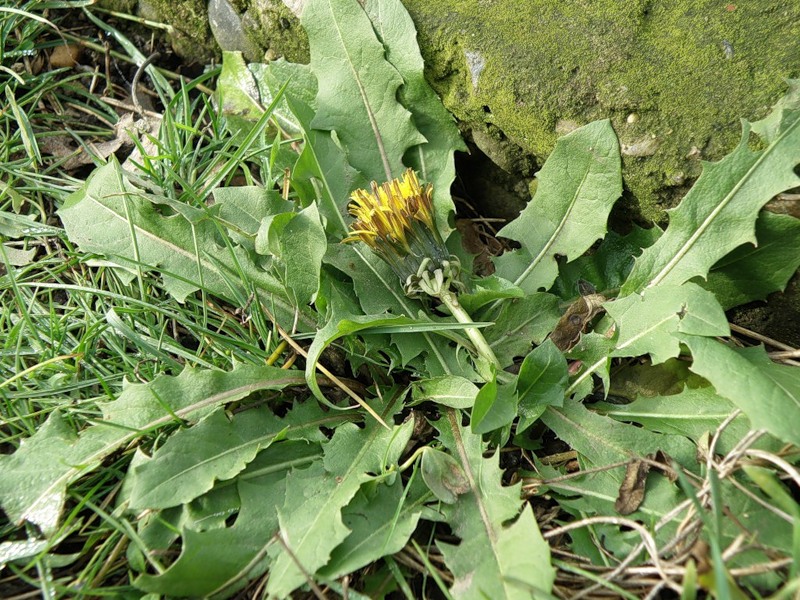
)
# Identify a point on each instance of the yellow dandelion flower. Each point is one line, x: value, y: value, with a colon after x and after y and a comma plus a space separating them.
x: 396, y: 220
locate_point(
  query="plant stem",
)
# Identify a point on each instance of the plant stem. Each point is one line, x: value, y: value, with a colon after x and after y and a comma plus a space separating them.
x: 450, y: 300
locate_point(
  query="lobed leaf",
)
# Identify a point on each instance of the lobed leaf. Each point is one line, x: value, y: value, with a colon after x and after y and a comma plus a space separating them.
x: 647, y: 322
x: 357, y: 91
x: 593, y: 353
x: 433, y: 159
x: 222, y: 560
x: 310, y: 519
x: 297, y: 242
x: 496, y: 558
x: 692, y: 413
x: 602, y: 441
x: 577, y: 187
x: 33, y: 480
x: 378, y: 291
x: 217, y: 448
x: 750, y: 272
x: 521, y: 323
x: 112, y: 217
x: 381, y: 520
x: 768, y: 393
x: 607, y: 267
x: 719, y: 212
x: 321, y: 161
x: 242, y: 208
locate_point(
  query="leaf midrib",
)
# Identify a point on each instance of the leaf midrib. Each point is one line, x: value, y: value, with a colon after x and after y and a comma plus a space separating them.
x: 559, y: 228
x: 104, y: 450
x: 268, y: 437
x: 363, y: 93
x: 452, y: 416
x: 706, y: 223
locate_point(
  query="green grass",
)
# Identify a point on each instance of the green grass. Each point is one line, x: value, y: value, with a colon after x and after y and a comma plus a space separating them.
x: 72, y: 329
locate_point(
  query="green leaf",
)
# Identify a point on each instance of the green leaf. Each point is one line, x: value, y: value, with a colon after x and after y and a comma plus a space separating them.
x: 607, y: 267
x: 340, y: 325
x: 236, y: 89
x: 378, y: 290
x: 443, y: 475
x: 719, y: 212
x: 433, y: 159
x: 222, y: 560
x: 303, y: 245
x: 242, y: 208
x: 692, y: 413
x: 321, y: 162
x: 593, y: 351
x: 381, y: 520
x: 646, y: 322
x: 297, y: 241
x: 603, y: 441
x: 783, y: 114
x: 542, y: 382
x: 33, y: 480
x: 521, y: 323
x: 497, y: 558
x: 311, y: 517
x: 769, y: 394
x: 495, y: 407
x: 751, y: 273
x: 455, y: 392
x: 111, y: 217
x: 486, y: 290
x: 577, y: 187
x: 13, y: 551
x: 217, y: 448
x: 357, y: 91
x: 772, y: 486
x: 20, y: 226
x: 16, y: 257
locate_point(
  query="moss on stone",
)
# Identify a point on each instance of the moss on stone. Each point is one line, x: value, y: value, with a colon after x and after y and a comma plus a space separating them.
x: 271, y: 25
x: 189, y: 18
x: 674, y: 77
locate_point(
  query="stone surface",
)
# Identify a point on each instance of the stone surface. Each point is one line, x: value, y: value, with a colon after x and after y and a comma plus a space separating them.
x: 674, y: 76
x: 228, y: 30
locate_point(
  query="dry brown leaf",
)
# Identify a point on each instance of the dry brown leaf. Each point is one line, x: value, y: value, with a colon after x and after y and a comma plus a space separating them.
x: 569, y: 327
x: 631, y: 492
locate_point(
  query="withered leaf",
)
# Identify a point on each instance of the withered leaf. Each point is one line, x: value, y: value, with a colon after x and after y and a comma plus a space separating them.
x: 631, y: 492
x: 569, y: 327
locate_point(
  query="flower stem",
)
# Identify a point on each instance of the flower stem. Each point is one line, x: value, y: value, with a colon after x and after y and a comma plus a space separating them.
x: 450, y: 300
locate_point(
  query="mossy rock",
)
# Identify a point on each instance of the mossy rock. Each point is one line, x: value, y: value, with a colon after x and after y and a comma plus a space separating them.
x: 675, y: 77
